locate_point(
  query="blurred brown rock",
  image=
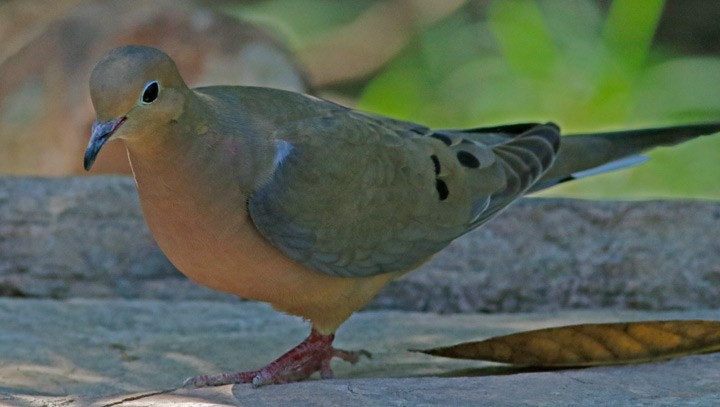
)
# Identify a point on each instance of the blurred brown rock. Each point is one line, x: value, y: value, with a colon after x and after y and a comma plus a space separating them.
x: 45, y: 110
x: 23, y: 20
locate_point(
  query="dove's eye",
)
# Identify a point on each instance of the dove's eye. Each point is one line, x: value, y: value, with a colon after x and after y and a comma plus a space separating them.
x: 150, y: 93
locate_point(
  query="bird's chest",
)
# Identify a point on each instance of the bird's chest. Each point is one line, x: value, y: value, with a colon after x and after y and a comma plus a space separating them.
x: 204, y: 230
x: 196, y: 234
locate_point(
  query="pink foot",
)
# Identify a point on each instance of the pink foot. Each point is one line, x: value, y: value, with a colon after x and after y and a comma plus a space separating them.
x: 310, y: 356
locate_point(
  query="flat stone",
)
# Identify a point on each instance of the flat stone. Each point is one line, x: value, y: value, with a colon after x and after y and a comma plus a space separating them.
x: 85, y: 237
x: 99, y: 352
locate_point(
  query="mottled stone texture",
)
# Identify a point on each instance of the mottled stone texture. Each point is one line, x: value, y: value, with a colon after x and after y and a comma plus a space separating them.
x: 76, y: 238
x: 545, y: 254
x: 85, y: 237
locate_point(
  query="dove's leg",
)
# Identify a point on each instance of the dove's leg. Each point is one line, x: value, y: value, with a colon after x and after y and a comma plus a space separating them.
x: 310, y: 356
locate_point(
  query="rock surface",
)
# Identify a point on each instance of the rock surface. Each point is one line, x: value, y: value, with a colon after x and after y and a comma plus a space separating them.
x: 85, y: 237
x: 45, y: 109
x: 119, y: 352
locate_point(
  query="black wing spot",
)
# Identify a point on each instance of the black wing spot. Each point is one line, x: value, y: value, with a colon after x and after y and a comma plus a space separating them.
x: 442, y: 189
x: 445, y: 139
x: 436, y: 162
x: 505, y: 129
x: 467, y: 159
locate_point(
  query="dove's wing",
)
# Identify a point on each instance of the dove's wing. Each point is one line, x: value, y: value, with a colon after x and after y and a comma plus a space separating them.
x: 358, y: 195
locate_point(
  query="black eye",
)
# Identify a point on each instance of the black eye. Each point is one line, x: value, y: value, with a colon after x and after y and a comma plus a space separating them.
x: 150, y: 93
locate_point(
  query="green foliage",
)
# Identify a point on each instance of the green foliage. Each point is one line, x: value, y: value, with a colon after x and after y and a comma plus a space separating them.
x: 299, y: 21
x: 558, y: 60
x: 539, y: 60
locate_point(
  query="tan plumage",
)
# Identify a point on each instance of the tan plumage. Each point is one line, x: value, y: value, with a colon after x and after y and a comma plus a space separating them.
x: 288, y: 199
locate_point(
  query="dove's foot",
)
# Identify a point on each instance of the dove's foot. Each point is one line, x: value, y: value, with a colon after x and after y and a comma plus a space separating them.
x: 310, y: 356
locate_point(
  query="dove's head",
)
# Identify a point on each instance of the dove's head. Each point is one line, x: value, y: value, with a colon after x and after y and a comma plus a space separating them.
x: 137, y: 93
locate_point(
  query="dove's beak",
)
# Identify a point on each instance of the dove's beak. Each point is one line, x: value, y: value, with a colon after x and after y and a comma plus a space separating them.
x: 101, y: 133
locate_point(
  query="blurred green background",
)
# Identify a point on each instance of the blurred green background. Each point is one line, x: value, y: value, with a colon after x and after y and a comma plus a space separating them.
x: 586, y: 65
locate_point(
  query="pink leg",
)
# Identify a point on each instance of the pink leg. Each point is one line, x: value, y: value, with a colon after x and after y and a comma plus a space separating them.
x: 310, y: 356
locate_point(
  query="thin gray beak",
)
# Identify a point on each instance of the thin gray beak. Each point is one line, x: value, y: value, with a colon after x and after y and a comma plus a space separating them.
x: 101, y: 132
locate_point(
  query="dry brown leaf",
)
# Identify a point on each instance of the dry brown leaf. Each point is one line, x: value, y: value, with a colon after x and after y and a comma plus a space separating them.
x: 593, y: 344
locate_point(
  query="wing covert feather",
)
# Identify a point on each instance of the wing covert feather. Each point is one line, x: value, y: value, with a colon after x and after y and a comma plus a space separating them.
x: 359, y: 195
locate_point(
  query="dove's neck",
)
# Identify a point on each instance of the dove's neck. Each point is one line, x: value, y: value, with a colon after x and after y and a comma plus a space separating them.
x: 201, y: 156
x: 180, y: 171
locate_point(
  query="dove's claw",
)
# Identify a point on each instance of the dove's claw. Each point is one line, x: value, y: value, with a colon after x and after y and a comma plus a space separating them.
x: 311, y: 355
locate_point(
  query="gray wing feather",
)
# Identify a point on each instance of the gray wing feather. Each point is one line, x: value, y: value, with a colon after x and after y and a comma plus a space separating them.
x: 360, y: 195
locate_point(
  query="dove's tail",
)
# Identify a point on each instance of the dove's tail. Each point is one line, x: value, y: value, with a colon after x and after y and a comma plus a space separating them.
x: 584, y: 155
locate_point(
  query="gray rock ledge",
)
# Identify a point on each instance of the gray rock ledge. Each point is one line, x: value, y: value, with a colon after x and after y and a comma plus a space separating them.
x: 85, y: 237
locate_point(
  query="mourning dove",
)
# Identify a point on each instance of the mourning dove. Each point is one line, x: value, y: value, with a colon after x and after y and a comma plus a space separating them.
x: 313, y: 207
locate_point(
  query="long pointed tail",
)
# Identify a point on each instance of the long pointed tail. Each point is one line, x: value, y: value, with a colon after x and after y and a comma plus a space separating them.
x: 582, y: 155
